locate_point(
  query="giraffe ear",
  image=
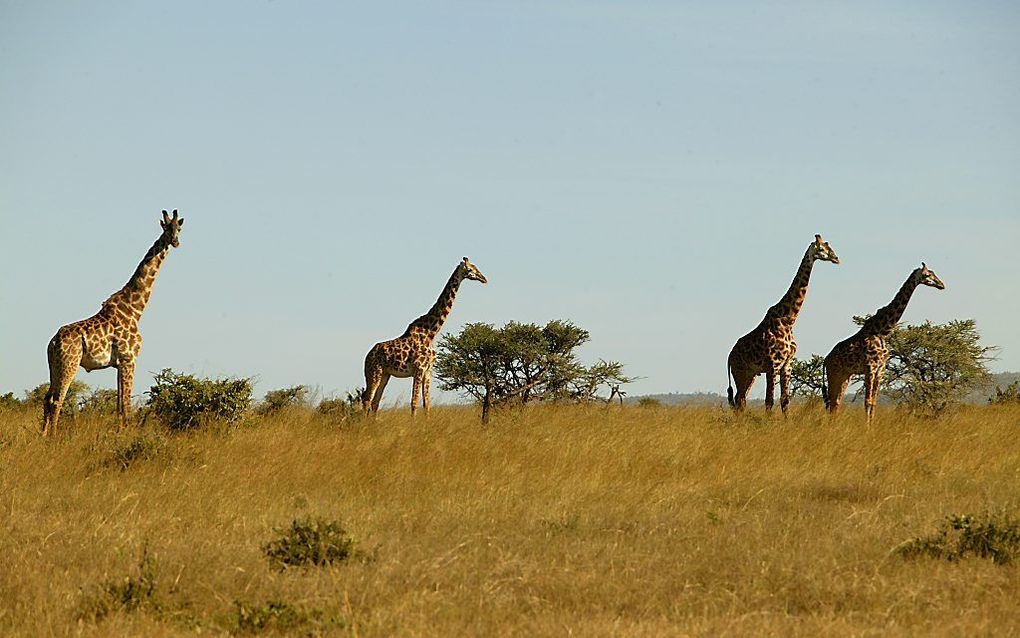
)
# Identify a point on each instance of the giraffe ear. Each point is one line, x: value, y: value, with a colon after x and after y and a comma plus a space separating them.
x: 180, y: 222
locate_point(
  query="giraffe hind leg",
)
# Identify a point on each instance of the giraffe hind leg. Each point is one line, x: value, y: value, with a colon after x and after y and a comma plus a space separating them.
x: 743, y: 380
x: 64, y: 358
x: 125, y: 382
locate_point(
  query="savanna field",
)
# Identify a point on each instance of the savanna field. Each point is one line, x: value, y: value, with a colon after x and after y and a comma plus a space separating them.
x: 632, y: 521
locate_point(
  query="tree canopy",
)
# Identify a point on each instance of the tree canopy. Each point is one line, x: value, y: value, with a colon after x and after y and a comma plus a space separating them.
x: 523, y: 362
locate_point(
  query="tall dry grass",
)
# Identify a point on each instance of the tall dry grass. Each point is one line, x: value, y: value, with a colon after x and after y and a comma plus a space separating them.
x: 554, y: 521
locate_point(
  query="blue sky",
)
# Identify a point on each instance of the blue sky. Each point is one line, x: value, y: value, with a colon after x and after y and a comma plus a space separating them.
x: 651, y: 171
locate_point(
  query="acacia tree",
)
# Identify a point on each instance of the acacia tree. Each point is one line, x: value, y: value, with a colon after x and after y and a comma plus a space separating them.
x: 522, y: 363
x: 807, y: 378
x: 931, y: 366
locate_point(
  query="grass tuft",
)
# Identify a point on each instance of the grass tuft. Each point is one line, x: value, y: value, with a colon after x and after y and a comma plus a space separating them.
x: 310, y: 541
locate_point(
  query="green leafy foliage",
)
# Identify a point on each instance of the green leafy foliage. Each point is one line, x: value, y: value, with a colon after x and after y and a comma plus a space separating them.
x: 278, y: 400
x: 72, y: 400
x: 990, y: 536
x: 807, y: 378
x: 10, y: 402
x: 129, y: 593
x: 342, y: 409
x: 182, y: 401
x: 281, y: 617
x: 100, y: 401
x: 931, y: 366
x: 523, y: 362
x: 142, y: 447
x: 310, y: 541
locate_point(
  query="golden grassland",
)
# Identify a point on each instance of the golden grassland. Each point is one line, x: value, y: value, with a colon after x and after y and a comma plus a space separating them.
x: 552, y: 521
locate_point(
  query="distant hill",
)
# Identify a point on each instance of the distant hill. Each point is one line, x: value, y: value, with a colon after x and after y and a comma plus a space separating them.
x: 1000, y: 379
x: 682, y: 398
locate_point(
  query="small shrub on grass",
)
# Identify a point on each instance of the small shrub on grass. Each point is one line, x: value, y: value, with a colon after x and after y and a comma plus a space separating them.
x: 310, y: 541
x: 10, y: 402
x: 101, y: 401
x: 991, y: 536
x: 182, y: 401
x: 142, y: 447
x: 130, y: 593
x: 279, y: 616
x: 277, y: 400
x: 347, y: 408
x: 72, y: 400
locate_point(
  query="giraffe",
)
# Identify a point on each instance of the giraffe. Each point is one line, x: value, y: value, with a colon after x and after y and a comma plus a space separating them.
x: 412, y: 354
x: 109, y: 338
x: 867, y: 351
x: 770, y: 347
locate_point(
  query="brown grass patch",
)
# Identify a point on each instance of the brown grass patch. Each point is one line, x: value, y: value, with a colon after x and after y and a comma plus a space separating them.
x: 637, y: 522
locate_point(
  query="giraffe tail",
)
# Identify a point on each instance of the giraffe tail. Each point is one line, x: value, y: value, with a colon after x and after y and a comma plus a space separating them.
x: 729, y: 380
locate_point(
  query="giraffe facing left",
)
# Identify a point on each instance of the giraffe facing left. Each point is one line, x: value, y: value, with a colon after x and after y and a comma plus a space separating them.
x: 109, y: 338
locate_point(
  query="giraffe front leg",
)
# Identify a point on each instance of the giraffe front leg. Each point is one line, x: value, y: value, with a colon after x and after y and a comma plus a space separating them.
x: 876, y: 383
x: 426, y: 388
x: 415, y: 391
x: 125, y: 382
x: 377, y: 397
x: 770, y: 389
x: 784, y: 387
x: 373, y: 378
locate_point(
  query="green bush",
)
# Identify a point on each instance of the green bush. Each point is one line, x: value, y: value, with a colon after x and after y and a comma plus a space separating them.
x: 72, y: 400
x: 277, y: 400
x: 130, y: 593
x: 310, y: 541
x: 101, y: 401
x: 10, y: 402
x: 142, y: 447
x: 282, y: 617
x: 990, y: 536
x: 182, y: 401
x: 342, y: 409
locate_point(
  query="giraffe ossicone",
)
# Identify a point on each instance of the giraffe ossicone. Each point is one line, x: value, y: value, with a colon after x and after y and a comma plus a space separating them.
x: 866, y: 352
x: 109, y: 338
x: 412, y: 354
x: 770, y: 347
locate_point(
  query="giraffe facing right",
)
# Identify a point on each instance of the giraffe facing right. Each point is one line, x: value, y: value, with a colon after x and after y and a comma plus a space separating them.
x: 770, y: 347
x: 411, y: 354
x: 867, y: 351
x: 109, y: 338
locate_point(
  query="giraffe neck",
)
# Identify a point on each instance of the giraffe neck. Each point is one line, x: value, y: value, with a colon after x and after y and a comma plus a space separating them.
x: 789, y: 306
x: 886, y: 317
x: 132, y: 298
x: 431, y: 322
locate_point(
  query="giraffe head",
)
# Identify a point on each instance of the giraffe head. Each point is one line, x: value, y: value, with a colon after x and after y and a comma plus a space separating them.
x: 927, y: 277
x: 470, y: 271
x: 823, y: 251
x: 172, y: 228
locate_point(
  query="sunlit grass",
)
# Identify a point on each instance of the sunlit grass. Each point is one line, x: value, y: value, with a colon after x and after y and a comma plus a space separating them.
x: 595, y: 521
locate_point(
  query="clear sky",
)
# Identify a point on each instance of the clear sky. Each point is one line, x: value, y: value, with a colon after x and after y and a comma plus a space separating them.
x: 652, y: 171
